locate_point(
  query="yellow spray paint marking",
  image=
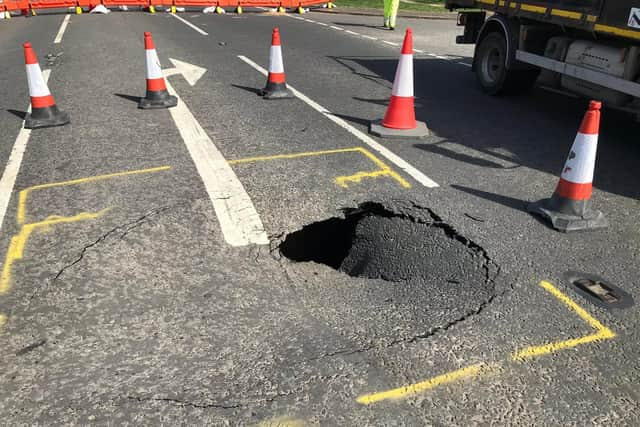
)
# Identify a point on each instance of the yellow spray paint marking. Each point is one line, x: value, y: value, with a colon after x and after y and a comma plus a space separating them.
x: 342, y: 181
x: 18, y: 242
x: 24, y: 194
x: 603, y: 332
x: 402, y: 392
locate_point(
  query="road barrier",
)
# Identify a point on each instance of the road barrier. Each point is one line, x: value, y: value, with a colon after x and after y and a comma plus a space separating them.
x: 26, y: 6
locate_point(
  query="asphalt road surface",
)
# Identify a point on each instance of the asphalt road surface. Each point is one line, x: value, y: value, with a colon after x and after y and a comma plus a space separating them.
x: 159, y: 265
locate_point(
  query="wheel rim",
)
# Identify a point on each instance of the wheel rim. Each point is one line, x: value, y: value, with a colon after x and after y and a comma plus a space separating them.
x: 492, y: 65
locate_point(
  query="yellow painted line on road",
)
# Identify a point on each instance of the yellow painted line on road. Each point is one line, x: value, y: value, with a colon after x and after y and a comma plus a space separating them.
x: 342, y: 181
x: 603, y: 333
x: 403, y: 392
x: 18, y: 242
x: 24, y: 194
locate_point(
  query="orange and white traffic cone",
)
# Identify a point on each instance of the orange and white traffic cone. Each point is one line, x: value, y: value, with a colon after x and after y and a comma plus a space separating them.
x: 276, y: 82
x: 568, y: 208
x: 157, y: 95
x: 400, y: 119
x: 44, y: 112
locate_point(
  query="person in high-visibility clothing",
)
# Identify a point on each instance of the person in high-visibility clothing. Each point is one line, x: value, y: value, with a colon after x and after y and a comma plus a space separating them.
x: 390, y: 13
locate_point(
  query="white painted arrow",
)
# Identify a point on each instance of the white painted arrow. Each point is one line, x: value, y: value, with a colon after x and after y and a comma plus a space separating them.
x: 190, y: 72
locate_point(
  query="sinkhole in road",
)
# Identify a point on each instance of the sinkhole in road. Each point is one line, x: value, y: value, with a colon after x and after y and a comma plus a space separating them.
x: 405, y: 243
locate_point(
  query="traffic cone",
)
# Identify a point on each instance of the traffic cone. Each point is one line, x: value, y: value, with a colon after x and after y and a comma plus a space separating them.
x: 400, y: 119
x: 44, y: 112
x: 568, y: 208
x: 157, y: 95
x: 276, y: 82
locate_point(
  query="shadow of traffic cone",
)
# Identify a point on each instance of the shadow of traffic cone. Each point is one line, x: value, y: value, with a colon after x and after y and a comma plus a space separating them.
x: 157, y: 95
x: 276, y: 87
x: 44, y: 112
x: 400, y: 119
x: 568, y: 208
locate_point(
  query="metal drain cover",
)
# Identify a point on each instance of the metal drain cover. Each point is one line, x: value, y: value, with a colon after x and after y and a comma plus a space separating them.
x: 598, y: 290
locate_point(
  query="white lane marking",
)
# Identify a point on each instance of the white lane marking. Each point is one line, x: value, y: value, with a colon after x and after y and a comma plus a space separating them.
x: 336, y: 28
x: 240, y: 223
x: 463, y: 63
x: 322, y: 23
x: 175, y: 15
x: 351, y: 32
x: 63, y: 27
x: 10, y: 174
x: 390, y: 43
x: 369, y: 37
x: 298, y: 18
x: 308, y: 20
x: 418, y: 50
x: 382, y: 150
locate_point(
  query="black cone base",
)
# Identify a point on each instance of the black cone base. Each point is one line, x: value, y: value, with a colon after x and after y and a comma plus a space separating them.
x: 276, y: 91
x: 589, y: 219
x: 155, y: 100
x: 46, y: 118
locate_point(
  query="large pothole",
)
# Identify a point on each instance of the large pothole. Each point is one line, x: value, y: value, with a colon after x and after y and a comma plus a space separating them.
x: 427, y: 275
x: 376, y: 242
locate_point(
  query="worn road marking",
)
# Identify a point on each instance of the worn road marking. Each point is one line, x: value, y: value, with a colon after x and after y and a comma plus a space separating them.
x: 24, y: 194
x: 336, y: 28
x: 8, y: 179
x: 239, y: 221
x: 603, y: 333
x: 342, y: 181
x: 63, y: 27
x: 175, y: 15
x: 372, y: 143
x: 18, y: 242
x: 406, y: 391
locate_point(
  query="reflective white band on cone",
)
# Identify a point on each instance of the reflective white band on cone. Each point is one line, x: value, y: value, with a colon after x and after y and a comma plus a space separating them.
x: 154, y: 70
x: 403, y: 82
x: 582, y: 159
x: 275, y: 60
x: 37, y: 85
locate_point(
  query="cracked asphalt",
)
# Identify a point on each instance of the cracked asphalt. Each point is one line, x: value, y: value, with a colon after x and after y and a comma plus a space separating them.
x: 127, y: 307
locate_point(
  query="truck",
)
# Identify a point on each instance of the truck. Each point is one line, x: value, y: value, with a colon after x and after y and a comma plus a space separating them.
x: 588, y: 48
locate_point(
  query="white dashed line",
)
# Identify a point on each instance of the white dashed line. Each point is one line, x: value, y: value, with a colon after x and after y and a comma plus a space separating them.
x: 351, y: 32
x: 390, y: 43
x: 175, y: 15
x: 63, y: 27
x: 464, y: 63
x: 308, y: 20
x: 10, y: 174
x: 418, y: 50
x: 369, y: 37
x: 298, y: 18
x: 375, y: 145
x: 336, y: 28
x: 322, y: 23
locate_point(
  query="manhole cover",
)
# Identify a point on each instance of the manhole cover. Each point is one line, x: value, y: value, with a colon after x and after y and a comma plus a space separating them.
x: 434, y: 276
x: 598, y: 290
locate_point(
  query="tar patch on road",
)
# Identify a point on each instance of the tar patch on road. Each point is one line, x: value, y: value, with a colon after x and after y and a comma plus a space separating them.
x: 409, y: 244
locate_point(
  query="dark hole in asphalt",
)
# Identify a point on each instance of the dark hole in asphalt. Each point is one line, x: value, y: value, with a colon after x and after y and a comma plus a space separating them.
x: 406, y: 245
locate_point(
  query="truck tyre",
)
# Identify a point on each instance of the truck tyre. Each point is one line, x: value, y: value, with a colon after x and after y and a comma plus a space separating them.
x: 492, y: 73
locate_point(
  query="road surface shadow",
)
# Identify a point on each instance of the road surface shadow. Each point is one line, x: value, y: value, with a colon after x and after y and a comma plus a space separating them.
x: 358, y: 120
x: 461, y: 157
x: 131, y: 98
x: 17, y: 113
x: 249, y: 89
x: 537, y: 128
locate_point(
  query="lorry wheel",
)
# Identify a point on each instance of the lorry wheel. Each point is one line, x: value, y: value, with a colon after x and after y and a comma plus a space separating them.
x: 492, y: 73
